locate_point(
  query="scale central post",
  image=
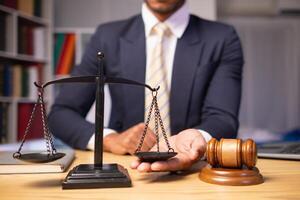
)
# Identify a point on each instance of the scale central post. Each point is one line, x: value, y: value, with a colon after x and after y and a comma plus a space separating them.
x: 99, y: 114
x: 98, y: 175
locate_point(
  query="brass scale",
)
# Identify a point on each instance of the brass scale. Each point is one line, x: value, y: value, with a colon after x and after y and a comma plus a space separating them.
x: 95, y: 175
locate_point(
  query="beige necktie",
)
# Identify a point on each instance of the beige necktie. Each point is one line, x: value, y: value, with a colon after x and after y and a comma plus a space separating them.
x: 156, y: 75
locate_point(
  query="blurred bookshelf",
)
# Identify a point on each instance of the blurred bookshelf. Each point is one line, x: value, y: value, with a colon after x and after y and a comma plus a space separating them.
x: 69, y: 45
x: 81, y: 36
x: 25, y: 57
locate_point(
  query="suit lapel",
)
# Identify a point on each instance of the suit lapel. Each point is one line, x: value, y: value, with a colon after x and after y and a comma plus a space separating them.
x: 187, y: 56
x: 133, y: 63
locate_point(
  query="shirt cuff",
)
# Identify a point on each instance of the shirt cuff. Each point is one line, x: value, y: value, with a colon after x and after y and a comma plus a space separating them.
x: 206, y: 135
x: 91, y: 143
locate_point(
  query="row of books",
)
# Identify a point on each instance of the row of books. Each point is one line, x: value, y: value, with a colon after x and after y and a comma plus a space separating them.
x: 3, y: 122
x: 30, y: 7
x: 64, y: 53
x: 17, y: 80
x: 31, y: 41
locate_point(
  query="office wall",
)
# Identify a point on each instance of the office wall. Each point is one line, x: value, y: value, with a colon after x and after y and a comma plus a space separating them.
x: 271, y: 82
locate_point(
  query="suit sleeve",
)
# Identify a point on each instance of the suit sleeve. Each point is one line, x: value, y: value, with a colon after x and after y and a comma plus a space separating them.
x: 67, y: 116
x: 221, y: 105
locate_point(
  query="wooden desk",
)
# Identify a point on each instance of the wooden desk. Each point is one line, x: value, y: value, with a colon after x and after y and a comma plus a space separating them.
x: 282, y: 181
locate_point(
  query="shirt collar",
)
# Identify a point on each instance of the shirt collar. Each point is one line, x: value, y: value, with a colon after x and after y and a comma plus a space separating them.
x: 176, y: 22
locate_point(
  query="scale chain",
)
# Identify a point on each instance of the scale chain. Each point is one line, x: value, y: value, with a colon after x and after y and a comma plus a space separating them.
x: 47, y: 133
x: 158, y: 122
x: 145, y: 129
x: 43, y: 121
x: 156, y: 110
x: 32, y: 116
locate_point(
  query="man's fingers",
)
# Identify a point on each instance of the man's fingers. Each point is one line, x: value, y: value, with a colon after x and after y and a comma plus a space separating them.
x: 146, y: 146
x: 144, y: 167
x: 197, y: 148
x: 149, y: 141
x: 172, y: 164
x: 132, y: 137
x: 131, y: 150
x: 141, y: 167
x: 135, y: 164
x: 150, y: 138
x: 139, y: 127
x: 130, y: 144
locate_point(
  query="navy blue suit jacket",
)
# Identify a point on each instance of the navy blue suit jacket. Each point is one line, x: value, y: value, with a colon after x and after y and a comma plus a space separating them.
x: 205, y: 89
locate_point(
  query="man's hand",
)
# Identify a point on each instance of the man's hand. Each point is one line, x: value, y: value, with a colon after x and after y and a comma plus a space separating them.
x: 127, y: 141
x: 190, y: 146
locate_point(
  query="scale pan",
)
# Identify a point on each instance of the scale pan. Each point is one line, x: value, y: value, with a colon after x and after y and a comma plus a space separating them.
x: 43, y: 157
x: 152, y: 156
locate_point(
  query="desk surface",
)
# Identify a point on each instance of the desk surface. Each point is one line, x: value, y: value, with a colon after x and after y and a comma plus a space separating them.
x: 282, y: 181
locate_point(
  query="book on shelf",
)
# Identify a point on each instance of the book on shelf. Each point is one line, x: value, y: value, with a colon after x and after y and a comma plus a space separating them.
x: 2, y: 81
x: 37, y: 8
x: 26, y: 6
x: 36, y: 129
x: 59, y: 39
x: 24, y: 82
x: 30, y: 7
x: 7, y: 80
x: 2, y: 31
x: 33, y: 76
x: 3, y: 121
x: 31, y: 41
x: 17, y: 80
x: 24, y: 39
x: 38, y: 43
x: 9, y: 165
x: 10, y: 3
x: 64, y: 53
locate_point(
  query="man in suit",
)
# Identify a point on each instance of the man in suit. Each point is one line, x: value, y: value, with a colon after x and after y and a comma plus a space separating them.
x: 201, y: 62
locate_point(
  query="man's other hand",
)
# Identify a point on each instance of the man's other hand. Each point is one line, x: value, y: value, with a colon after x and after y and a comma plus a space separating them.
x: 189, y: 145
x: 127, y: 141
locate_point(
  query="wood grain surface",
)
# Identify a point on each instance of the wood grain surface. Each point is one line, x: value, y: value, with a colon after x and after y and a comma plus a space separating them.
x: 282, y: 181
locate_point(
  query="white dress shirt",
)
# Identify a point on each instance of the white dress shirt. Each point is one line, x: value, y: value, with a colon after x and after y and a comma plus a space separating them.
x: 177, y: 24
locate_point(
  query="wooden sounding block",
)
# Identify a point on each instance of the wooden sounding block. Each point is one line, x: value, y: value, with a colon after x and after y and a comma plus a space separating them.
x: 231, y: 162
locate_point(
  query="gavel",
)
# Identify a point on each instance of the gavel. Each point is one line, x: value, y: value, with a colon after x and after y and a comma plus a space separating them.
x: 231, y: 153
x: 232, y: 162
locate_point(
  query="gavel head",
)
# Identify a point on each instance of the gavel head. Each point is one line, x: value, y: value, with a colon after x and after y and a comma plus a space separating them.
x: 231, y: 153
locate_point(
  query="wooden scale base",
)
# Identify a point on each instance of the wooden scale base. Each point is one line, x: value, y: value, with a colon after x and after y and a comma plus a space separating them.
x: 91, y: 176
x: 236, y: 177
